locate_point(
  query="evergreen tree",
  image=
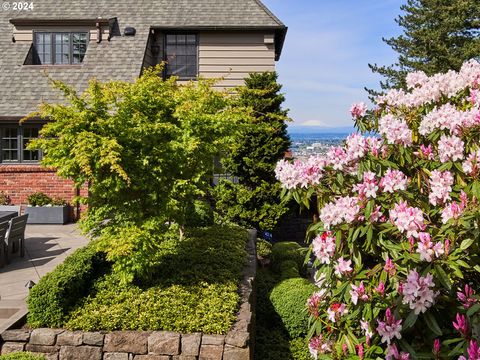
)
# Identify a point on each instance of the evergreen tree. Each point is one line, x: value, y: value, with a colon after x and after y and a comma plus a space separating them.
x: 255, y: 199
x: 439, y: 35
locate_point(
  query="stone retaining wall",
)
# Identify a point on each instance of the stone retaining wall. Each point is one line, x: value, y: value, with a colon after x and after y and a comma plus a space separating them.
x: 147, y: 345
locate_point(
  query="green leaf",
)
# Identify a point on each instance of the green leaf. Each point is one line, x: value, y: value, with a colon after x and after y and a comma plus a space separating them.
x: 432, y: 323
x: 466, y: 244
x: 443, y: 277
x: 410, y: 320
x: 473, y: 310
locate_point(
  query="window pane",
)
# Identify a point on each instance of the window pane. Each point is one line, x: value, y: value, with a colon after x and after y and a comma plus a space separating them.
x: 9, y: 144
x: 43, y: 47
x: 181, y: 55
x: 28, y: 135
x: 62, y: 48
x: 79, y: 48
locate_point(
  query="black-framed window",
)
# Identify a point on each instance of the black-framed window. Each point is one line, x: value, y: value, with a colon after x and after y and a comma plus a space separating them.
x: 181, y: 55
x: 60, y: 48
x: 13, y: 144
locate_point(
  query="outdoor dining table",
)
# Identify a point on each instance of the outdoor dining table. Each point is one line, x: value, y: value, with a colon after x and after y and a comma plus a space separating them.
x: 7, y: 215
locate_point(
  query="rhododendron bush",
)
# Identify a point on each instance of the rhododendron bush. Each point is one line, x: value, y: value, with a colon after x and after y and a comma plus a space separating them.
x: 396, y: 243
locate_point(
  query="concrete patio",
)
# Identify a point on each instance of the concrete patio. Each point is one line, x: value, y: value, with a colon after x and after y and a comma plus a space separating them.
x: 46, y: 247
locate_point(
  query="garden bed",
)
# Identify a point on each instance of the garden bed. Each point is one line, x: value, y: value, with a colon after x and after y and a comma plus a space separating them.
x: 193, y: 308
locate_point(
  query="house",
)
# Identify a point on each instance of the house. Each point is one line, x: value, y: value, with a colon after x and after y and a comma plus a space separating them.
x: 75, y: 41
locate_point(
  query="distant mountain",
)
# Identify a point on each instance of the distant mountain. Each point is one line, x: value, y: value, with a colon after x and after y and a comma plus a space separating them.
x: 298, y: 129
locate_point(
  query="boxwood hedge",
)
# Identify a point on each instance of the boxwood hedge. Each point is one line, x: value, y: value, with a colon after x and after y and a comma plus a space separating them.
x: 50, y: 301
x: 193, y: 289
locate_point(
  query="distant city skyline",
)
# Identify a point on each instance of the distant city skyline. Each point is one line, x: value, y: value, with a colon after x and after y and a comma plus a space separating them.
x: 324, y: 64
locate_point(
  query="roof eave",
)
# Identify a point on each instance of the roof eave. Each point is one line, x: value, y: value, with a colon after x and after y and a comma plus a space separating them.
x: 280, y: 32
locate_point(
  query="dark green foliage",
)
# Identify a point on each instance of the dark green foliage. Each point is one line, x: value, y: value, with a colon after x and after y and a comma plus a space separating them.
x: 255, y: 200
x: 193, y: 288
x: 272, y: 341
x: 289, y: 298
x: 257, y: 207
x: 39, y: 199
x: 199, y: 214
x: 50, y: 301
x: 22, y: 356
x: 284, y: 251
x: 289, y: 270
x: 264, y: 248
x: 439, y: 35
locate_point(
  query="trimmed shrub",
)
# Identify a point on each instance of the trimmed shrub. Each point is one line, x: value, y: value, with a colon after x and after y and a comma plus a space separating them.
x: 283, y: 251
x: 194, y: 288
x: 264, y: 248
x: 199, y: 214
x: 39, y: 199
x: 289, y: 269
x: 289, y: 298
x: 22, y: 356
x: 50, y: 301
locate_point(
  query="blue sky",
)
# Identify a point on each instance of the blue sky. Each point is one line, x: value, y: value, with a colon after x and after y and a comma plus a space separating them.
x: 324, y: 64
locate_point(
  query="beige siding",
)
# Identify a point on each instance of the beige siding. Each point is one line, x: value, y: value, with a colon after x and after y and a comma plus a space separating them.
x: 232, y: 56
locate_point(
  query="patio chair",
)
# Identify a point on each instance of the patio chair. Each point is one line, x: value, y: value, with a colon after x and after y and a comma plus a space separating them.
x: 3, y: 245
x: 16, y: 235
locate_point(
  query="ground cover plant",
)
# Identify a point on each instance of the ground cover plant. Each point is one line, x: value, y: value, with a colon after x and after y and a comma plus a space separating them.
x: 397, y: 242
x: 22, y: 356
x: 193, y: 288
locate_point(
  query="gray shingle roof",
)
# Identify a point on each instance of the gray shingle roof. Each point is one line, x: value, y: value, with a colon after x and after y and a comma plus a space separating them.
x: 23, y: 87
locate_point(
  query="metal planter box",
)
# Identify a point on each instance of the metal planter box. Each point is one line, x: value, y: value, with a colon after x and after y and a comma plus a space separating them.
x: 47, y: 214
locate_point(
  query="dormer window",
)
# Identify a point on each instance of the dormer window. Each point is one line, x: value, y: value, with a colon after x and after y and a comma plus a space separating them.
x: 59, y: 48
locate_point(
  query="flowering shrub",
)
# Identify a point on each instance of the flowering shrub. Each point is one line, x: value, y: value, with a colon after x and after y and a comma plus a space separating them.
x: 396, y: 244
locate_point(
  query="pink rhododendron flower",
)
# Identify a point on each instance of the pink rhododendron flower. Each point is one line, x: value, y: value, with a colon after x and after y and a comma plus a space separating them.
x: 447, y: 117
x: 394, y: 354
x: 389, y: 267
x: 437, y: 346
x: 336, y: 311
x: 416, y: 79
x: 313, y: 303
x: 408, y: 220
x: 390, y: 328
x: 365, y: 326
x: 358, y: 292
x: 324, y: 247
x: 343, y: 267
x: 473, y: 350
x: 471, y: 164
x: 369, y: 187
x: 360, y: 351
x: 440, y: 187
x: 380, y: 289
x: 344, y: 209
x: 428, y: 89
x: 450, y: 148
x: 425, y: 152
x: 427, y: 249
x: 461, y: 325
x: 395, y: 130
x: 318, y: 345
x: 358, y: 110
x: 393, y: 180
x: 417, y: 292
x: 451, y: 211
x: 375, y: 145
x: 466, y: 297
x: 300, y: 174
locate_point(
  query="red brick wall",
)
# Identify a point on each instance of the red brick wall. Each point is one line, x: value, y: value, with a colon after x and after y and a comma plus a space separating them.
x: 19, y: 181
